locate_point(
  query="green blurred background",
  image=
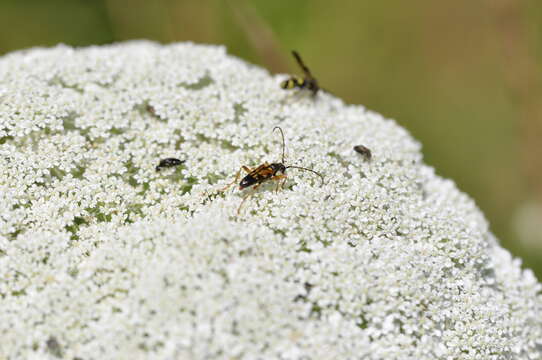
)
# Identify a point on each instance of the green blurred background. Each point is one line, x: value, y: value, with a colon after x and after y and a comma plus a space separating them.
x: 463, y: 76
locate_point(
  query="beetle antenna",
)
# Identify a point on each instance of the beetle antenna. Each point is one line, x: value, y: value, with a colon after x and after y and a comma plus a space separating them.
x: 312, y: 171
x: 283, y: 143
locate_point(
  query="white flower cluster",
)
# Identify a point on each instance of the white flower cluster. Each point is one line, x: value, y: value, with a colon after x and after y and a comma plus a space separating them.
x: 103, y: 257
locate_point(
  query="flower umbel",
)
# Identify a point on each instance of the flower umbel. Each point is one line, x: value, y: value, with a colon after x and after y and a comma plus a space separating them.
x: 103, y: 257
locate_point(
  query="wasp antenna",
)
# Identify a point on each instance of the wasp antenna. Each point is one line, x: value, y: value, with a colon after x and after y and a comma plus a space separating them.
x: 312, y: 171
x: 283, y: 143
x: 301, y: 64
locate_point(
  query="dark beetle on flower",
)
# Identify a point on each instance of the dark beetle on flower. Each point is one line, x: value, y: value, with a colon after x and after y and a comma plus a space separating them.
x: 168, y: 162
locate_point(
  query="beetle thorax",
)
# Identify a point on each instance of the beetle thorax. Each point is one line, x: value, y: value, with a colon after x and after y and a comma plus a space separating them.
x: 278, y: 168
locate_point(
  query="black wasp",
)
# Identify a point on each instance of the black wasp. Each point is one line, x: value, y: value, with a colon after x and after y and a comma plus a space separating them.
x: 308, y: 82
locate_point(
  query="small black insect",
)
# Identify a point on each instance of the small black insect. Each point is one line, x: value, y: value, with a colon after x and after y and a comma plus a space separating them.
x: 308, y: 82
x: 151, y: 110
x: 54, y: 347
x: 364, y: 151
x: 265, y: 172
x: 168, y: 162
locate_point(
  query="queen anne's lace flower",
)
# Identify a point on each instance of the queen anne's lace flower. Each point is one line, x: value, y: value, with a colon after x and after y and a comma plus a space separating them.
x: 102, y: 257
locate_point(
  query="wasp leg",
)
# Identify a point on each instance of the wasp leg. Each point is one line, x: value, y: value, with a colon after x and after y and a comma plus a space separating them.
x: 244, y: 168
x: 246, y: 197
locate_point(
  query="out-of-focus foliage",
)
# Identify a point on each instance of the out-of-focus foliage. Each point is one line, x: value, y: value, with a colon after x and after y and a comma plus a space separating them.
x: 464, y: 76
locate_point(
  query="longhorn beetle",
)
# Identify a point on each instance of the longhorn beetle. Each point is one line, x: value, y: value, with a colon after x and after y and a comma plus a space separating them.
x: 265, y: 172
x: 308, y: 82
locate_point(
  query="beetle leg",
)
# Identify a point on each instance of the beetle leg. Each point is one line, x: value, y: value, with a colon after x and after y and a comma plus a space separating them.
x: 283, y: 182
x: 236, y: 178
x: 280, y: 184
x: 246, y: 197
